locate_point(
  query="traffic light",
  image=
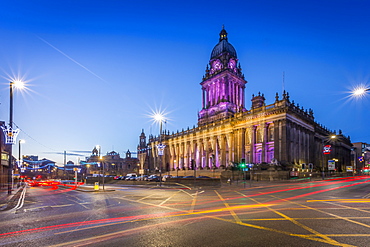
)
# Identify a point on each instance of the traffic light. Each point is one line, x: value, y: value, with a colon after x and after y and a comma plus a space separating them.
x: 242, y: 164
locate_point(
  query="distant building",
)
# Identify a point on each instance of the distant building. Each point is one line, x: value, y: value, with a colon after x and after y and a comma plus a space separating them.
x: 4, y: 164
x: 281, y: 134
x: 33, y: 167
x: 112, y: 162
x: 143, y: 154
x: 361, y: 156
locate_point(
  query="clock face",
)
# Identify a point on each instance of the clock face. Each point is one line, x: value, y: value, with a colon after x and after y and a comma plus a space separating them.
x: 217, y: 65
x: 232, y: 64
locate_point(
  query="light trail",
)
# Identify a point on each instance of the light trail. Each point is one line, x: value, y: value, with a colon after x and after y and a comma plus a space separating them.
x: 213, y: 213
x: 320, y: 184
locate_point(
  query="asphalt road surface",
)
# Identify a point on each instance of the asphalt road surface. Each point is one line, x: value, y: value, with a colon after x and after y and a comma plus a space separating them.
x: 332, y: 212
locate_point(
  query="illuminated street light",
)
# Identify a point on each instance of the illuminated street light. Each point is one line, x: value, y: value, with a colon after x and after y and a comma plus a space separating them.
x: 159, y: 118
x: 326, y: 149
x: 18, y: 84
x: 359, y: 91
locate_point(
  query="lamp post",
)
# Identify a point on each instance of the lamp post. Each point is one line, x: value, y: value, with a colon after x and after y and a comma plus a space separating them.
x: 19, y: 153
x: 359, y: 92
x: 102, y: 164
x: 158, y: 117
x: 20, y: 85
x: 325, y: 151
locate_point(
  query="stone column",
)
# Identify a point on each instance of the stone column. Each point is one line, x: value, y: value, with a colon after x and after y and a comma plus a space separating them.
x: 264, y: 141
x: 253, y: 143
x: 231, y: 144
x: 285, y: 137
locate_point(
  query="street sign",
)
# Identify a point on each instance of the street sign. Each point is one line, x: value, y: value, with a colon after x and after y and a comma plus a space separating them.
x: 327, y: 149
x: 331, y: 165
x: 349, y: 169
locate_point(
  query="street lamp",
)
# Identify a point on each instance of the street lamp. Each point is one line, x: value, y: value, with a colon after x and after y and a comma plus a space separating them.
x: 359, y: 91
x: 19, y: 153
x: 325, y: 150
x: 102, y: 163
x: 158, y: 117
x: 18, y: 85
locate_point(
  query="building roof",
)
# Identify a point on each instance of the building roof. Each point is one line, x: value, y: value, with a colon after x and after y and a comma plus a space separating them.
x: 223, y: 46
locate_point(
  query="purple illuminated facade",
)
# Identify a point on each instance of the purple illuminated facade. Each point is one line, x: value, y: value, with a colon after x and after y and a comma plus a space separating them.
x: 223, y: 84
x: 280, y: 134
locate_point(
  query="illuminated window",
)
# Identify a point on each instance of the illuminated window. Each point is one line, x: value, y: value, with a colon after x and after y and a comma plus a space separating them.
x: 258, y: 157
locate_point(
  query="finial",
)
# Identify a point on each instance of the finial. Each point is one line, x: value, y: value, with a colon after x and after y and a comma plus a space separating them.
x: 223, y: 34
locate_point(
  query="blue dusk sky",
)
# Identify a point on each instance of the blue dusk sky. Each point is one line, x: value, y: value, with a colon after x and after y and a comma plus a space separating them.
x: 96, y: 70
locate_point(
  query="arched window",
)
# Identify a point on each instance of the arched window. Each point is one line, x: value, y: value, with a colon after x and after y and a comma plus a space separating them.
x: 258, y: 156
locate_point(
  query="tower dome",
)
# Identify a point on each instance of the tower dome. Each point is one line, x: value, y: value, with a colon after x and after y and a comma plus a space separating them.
x: 223, y: 46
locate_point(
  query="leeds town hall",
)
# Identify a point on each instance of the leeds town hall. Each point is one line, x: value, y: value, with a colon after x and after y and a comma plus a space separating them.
x: 279, y: 133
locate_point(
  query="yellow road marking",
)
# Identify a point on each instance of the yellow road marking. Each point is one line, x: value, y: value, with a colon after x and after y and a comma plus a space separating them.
x: 309, y: 237
x: 334, y: 215
x: 237, y: 220
x: 316, y: 233
x: 192, y: 206
x: 145, y: 197
x: 169, y: 198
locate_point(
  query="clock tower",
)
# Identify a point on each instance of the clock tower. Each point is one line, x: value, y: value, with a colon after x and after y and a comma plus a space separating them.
x: 223, y: 84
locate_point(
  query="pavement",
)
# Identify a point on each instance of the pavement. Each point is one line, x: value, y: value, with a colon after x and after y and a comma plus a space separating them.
x: 7, y: 200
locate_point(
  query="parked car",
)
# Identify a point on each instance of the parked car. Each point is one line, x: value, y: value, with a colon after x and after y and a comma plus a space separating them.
x: 131, y: 178
x: 189, y: 177
x: 154, y: 178
x: 142, y: 178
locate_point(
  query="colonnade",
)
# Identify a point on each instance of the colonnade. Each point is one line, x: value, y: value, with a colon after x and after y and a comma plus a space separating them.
x: 222, y: 90
x: 210, y: 148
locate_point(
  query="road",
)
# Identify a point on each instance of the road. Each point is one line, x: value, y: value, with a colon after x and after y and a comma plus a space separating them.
x: 332, y: 212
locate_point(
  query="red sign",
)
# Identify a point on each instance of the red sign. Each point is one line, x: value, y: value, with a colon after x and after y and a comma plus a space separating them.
x: 327, y: 149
